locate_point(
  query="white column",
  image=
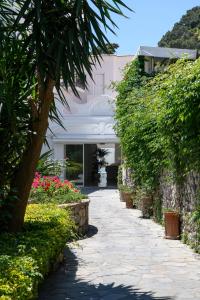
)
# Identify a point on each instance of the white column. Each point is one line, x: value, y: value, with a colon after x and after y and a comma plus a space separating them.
x: 59, y: 154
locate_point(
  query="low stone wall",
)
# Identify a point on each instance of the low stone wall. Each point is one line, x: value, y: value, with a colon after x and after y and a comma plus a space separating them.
x: 80, y: 214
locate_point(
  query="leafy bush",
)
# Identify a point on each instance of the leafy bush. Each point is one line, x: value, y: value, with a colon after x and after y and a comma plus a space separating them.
x: 158, y: 121
x: 49, y: 167
x: 192, y: 238
x: 125, y: 188
x: 47, y: 189
x: 27, y: 256
x: 137, y: 127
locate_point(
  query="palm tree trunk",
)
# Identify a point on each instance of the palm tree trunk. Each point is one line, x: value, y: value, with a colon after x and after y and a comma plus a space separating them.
x: 23, y: 178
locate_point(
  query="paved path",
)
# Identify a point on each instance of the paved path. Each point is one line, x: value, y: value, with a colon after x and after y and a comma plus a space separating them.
x: 126, y: 259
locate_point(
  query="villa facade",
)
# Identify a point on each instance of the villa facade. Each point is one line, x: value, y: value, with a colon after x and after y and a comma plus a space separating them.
x: 88, y: 123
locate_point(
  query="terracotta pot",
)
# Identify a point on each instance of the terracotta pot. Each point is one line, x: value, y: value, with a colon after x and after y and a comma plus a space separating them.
x: 121, y: 196
x: 128, y: 199
x: 146, y: 206
x: 172, y: 225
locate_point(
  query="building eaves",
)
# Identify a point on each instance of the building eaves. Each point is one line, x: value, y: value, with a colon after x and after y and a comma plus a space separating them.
x: 162, y: 52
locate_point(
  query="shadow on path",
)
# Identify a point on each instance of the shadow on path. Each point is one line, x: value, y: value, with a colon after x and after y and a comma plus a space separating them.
x: 92, y: 230
x: 64, y: 285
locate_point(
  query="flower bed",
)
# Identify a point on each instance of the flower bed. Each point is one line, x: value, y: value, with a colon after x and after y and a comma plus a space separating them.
x: 27, y: 256
x: 51, y: 189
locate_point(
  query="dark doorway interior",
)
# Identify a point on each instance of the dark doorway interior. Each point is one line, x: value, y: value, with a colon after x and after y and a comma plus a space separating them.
x: 74, y: 169
x: 93, y: 164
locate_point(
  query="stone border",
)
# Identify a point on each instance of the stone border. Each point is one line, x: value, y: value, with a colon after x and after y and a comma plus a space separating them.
x: 80, y: 214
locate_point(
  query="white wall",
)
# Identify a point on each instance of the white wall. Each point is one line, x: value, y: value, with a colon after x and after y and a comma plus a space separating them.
x: 91, y: 103
x: 89, y: 119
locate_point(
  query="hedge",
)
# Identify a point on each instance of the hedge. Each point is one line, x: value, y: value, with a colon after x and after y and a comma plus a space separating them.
x: 157, y: 121
x: 26, y: 257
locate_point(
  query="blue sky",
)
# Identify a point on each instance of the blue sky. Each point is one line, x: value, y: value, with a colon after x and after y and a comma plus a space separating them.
x: 146, y: 26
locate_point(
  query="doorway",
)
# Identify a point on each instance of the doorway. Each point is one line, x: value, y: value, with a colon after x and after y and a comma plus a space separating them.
x: 93, y: 164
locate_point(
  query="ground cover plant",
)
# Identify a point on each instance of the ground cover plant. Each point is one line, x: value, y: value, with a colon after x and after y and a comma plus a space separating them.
x: 26, y: 257
x: 51, y: 189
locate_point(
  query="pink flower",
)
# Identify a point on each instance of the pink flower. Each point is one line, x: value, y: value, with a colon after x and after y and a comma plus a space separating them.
x: 37, y: 175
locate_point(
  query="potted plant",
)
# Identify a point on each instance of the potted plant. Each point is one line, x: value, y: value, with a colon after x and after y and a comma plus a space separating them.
x: 172, y: 224
x: 144, y: 198
x: 126, y: 195
x: 120, y: 188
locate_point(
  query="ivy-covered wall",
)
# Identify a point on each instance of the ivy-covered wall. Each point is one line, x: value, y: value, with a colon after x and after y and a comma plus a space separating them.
x: 158, y: 123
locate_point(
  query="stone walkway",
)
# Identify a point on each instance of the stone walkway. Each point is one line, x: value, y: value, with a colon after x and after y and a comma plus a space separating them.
x: 125, y: 257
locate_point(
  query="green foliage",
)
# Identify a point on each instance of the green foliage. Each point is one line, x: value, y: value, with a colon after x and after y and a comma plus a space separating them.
x: 69, y: 197
x: 101, y: 156
x: 125, y: 189
x: 196, y: 216
x: 192, y: 238
x: 157, y: 209
x: 73, y: 168
x: 177, y: 105
x: 59, y: 31
x: 158, y: 121
x: 186, y: 33
x: 15, y: 108
x: 41, y: 44
x: 26, y: 258
x: 136, y: 124
x: 46, y: 166
x: 110, y: 48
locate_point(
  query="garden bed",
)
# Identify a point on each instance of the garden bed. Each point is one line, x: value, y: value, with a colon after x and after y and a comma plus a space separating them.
x: 26, y: 257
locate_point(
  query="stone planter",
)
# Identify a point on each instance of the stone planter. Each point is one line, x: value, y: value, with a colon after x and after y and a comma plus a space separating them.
x: 172, y: 225
x: 80, y: 214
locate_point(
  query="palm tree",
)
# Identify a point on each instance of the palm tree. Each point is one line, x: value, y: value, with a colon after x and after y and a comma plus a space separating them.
x: 57, y: 38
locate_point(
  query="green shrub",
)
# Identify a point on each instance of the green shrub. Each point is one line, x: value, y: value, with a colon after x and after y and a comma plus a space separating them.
x: 27, y: 256
x: 125, y: 188
x: 157, y: 209
x: 157, y: 121
x: 69, y: 197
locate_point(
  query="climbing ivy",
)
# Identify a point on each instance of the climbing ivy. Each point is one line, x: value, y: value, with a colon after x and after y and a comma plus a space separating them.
x: 157, y: 120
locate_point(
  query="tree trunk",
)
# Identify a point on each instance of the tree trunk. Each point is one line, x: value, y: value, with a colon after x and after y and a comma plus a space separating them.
x: 23, y: 178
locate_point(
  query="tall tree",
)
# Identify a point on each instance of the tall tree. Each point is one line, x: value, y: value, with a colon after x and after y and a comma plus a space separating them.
x: 56, y: 39
x: 186, y: 33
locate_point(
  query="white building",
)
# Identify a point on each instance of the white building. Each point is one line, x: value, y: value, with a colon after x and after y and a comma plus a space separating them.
x: 88, y: 123
x: 156, y: 56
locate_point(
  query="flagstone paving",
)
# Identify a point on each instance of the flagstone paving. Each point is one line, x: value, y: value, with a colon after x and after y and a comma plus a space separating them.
x: 124, y: 257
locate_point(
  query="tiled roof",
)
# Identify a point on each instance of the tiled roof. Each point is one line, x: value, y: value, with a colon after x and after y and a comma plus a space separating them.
x: 166, y: 52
